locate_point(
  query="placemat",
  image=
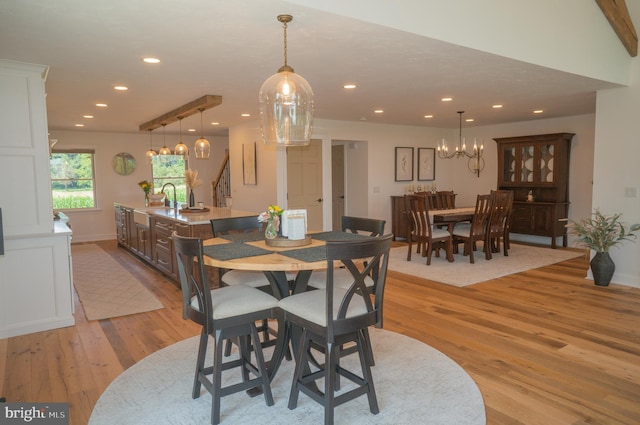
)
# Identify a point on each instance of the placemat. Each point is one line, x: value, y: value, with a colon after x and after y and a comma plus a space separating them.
x: 309, y: 255
x: 334, y: 235
x: 233, y: 250
x: 244, y: 237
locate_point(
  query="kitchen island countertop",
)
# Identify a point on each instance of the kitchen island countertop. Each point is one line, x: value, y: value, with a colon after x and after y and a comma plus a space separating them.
x: 191, y: 218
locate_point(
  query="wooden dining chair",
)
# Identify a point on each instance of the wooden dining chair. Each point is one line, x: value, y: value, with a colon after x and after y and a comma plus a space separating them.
x: 422, y: 232
x: 498, y: 226
x: 470, y: 233
x: 335, y: 317
x: 223, y: 313
x: 445, y: 199
x: 244, y: 226
x: 431, y: 198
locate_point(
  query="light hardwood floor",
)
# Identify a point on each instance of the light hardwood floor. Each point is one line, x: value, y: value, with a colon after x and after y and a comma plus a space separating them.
x: 544, y: 346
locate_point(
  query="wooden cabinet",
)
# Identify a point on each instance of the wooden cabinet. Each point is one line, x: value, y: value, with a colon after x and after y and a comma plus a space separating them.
x: 537, y: 165
x: 399, y: 223
x: 162, y: 245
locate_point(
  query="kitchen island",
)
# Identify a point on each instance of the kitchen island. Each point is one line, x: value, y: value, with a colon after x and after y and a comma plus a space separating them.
x: 146, y: 231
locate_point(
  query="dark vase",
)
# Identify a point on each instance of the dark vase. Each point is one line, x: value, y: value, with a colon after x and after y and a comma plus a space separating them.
x: 192, y: 199
x: 602, y: 268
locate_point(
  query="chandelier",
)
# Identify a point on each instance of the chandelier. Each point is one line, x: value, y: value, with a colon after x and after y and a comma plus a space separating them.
x: 476, y: 162
x: 286, y: 104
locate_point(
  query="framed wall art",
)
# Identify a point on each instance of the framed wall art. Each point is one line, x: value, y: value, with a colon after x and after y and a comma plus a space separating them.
x: 404, y: 164
x: 249, y: 163
x: 426, y: 164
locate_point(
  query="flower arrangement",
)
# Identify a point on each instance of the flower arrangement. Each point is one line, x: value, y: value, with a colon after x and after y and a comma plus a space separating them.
x: 272, y: 213
x: 272, y: 217
x: 602, y: 232
x: 146, y: 186
x: 191, y: 179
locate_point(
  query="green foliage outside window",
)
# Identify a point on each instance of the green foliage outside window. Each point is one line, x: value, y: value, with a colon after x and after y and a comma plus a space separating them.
x: 170, y: 169
x: 72, y: 180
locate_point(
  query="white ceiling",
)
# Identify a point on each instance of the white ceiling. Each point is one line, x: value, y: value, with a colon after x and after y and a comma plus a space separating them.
x: 229, y: 48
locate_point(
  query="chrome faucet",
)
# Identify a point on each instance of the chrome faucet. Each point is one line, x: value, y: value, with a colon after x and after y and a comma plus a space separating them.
x: 166, y: 200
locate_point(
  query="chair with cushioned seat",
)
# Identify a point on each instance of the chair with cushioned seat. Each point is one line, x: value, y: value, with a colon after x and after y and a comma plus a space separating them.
x: 337, y: 316
x: 445, y: 199
x: 224, y: 313
x: 499, y: 226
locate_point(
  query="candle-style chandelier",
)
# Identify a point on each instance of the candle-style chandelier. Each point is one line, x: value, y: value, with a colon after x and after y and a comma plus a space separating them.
x: 476, y: 162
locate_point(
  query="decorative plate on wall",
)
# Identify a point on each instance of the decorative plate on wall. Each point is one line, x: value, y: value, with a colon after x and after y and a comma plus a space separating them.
x: 123, y: 163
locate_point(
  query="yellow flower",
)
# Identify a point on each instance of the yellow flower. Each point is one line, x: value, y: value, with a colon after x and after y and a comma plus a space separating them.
x: 145, y: 185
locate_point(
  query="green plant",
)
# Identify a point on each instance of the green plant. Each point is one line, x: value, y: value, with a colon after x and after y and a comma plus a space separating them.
x: 602, y: 232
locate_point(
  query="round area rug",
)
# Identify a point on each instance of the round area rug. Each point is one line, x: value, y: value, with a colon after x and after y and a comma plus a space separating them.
x: 414, y: 382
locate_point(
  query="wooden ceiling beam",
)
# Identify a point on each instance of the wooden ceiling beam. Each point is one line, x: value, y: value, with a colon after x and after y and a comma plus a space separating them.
x: 205, y: 102
x: 618, y: 17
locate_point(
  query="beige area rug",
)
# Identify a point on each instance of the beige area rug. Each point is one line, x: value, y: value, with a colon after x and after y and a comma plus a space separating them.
x: 415, y: 384
x: 105, y: 288
x: 462, y: 273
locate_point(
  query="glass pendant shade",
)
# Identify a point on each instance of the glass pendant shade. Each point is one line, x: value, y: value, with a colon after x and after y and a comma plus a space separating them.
x: 202, y: 147
x: 181, y: 148
x: 164, y: 150
x: 286, y: 109
x: 150, y: 153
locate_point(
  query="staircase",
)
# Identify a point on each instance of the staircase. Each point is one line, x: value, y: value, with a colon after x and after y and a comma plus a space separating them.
x: 221, y: 186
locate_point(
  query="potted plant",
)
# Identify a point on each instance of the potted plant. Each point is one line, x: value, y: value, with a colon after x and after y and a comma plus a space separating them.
x: 599, y: 234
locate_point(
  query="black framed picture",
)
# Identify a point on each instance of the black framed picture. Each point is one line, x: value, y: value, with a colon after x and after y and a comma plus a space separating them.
x: 404, y: 164
x: 426, y: 164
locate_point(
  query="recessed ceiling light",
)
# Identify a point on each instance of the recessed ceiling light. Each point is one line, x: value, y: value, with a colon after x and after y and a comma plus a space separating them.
x: 497, y: 106
x: 469, y: 120
x: 215, y: 123
x: 378, y: 111
x: 101, y: 105
x: 245, y: 115
x: 538, y: 111
x: 151, y: 60
x: 121, y: 88
x: 192, y: 130
x: 446, y: 99
x: 349, y: 86
x: 79, y: 125
x: 87, y: 116
x: 428, y: 116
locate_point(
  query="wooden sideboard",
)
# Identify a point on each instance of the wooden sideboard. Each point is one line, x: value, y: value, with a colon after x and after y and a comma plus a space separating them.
x: 539, y: 165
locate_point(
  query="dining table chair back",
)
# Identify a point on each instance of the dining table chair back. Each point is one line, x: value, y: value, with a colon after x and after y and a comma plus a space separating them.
x: 223, y: 313
x: 422, y: 232
x: 499, y: 226
x: 335, y: 317
x: 363, y: 225
x: 470, y: 233
x: 445, y: 200
x: 431, y: 199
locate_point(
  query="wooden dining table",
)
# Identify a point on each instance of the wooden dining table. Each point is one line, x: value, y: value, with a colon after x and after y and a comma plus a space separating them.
x: 249, y: 251
x: 453, y: 215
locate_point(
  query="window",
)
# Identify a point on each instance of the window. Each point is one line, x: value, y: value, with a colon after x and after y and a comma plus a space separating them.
x: 73, y: 179
x: 169, y: 169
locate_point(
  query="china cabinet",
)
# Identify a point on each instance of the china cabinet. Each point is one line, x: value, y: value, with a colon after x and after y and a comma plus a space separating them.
x: 536, y: 169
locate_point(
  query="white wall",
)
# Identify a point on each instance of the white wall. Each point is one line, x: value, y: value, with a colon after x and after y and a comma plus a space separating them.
x: 99, y: 223
x: 377, y: 185
x: 617, y: 152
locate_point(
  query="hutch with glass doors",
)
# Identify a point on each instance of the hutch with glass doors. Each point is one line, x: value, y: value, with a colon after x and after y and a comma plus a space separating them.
x: 536, y: 169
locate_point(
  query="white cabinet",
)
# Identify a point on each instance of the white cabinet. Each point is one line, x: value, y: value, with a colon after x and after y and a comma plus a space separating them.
x: 35, y: 270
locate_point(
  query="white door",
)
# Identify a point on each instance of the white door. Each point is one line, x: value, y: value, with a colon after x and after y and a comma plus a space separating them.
x: 304, y: 181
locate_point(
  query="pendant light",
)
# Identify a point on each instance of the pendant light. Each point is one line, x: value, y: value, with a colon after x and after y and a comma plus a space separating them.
x: 181, y: 148
x: 164, y: 150
x: 202, y: 148
x: 286, y: 104
x: 150, y: 153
